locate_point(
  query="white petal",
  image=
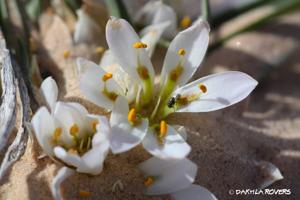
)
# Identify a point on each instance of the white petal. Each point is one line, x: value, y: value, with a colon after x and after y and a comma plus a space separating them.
x: 124, y: 136
x: 166, y: 13
x: 92, y: 161
x: 103, y: 126
x: 120, y: 38
x: 86, y: 28
x: 194, y: 192
x: 49, y: 91
x: 270, y: 174
x: 128, y: 85
x: 147, y: 12
x: 91, y: 84
x: 156, y: 12
x: 70, y: 159
x: 78, y: 107
x: 174, y: 146
x: 119, y: 112
x: 107, y: 59
x: 194, y: 40
x: 169, y: 175
x: 62, y: 174
x: 223, y: 90
x: 182, y: 131
x: 66, y: 116
x: 151, y: 35
x: 44, y: 126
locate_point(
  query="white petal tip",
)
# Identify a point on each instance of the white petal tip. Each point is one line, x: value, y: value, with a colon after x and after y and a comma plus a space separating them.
x: 269, y: 174
x: 203, y: 23
x: 194, y: 192
x: 62, y: 174
x: 114, y: 23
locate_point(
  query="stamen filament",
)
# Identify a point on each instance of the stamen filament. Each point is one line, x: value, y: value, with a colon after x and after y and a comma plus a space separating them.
x: 89, y: 143
x: 81, y: 145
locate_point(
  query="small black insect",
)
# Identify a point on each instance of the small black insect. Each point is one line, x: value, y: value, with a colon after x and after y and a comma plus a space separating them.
x: 172, y: 101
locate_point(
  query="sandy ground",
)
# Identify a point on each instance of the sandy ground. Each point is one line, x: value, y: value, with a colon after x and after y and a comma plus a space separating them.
x: 226, y: 144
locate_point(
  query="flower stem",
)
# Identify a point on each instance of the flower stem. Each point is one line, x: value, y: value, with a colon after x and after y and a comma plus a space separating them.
x: 117, y: 8
x: 205, y: 7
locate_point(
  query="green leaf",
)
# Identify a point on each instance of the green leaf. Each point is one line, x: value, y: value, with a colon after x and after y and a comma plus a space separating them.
x: 33, y: 9
x: 117, y: 8
x: 227, y: 15
x: 278, y: 8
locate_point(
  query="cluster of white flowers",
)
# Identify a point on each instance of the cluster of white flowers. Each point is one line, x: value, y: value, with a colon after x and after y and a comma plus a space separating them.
x: 124, y: 84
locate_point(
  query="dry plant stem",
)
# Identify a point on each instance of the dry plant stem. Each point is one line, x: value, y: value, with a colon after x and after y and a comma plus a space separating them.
x: 8, y: 103
x: 18, y: 146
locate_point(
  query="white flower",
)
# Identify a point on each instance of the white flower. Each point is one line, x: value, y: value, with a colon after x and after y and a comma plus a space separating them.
x: 122, y: 83
x: 174, y: 177
x: 69, y: 134
x: 90, y: 24
x: 142, y: 117
x: 156, y: 12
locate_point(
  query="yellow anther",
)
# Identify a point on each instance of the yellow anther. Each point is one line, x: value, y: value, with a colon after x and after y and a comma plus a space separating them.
x: 163, y: 129
x: 99, y: 50
x: 148, y: 181
x: 84, y: 193
x: 131, y: 115
x: 56, y: 134
x: 181, y: 52
x: 94, y: 124
x: 185, y: 22
x: 139, y: 45
x: 73, y: 151
x: 74, y: 130
x: 107, y: 76
x: 202, y: 87
x: 67, y: 54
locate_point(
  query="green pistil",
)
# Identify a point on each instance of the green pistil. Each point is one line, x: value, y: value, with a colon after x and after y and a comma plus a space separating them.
x: 166, y: 91
x: 147, y: 85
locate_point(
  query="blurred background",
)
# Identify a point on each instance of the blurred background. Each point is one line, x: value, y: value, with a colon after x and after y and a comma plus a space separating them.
x: 233, y: 148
